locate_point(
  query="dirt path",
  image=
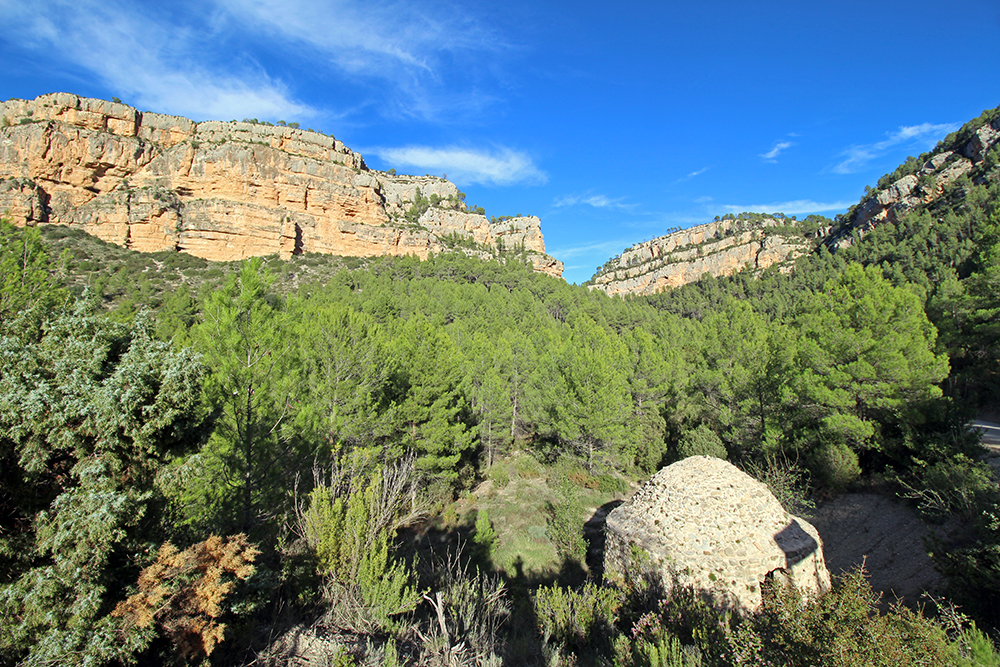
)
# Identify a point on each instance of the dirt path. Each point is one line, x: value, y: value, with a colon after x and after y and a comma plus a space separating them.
x: 889, y: 536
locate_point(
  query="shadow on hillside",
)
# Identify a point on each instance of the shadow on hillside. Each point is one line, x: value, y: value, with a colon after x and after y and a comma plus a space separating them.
x: 593, y: 533
x: 430, y: 546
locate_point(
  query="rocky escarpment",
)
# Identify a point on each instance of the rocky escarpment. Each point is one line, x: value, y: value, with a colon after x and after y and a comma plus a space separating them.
x: 717, y: 248
x: 705, y: 524
x: 758, y: 241
x: 229, y: 190
x: 972, y: 152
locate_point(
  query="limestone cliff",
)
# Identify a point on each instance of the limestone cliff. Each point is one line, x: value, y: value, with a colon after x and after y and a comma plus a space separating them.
x: 228, y: 190
x: 717, y: 248
x: 757, y: 242
x: 973, y: 152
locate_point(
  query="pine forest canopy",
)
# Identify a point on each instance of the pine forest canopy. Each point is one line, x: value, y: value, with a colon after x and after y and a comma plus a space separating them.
x: 151, y: 403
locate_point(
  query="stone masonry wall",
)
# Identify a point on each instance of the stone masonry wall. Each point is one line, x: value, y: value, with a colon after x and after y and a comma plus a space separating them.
x: 702, y: 522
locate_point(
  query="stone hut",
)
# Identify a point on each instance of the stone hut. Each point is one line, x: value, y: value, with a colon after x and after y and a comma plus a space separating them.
x: 704, y: 523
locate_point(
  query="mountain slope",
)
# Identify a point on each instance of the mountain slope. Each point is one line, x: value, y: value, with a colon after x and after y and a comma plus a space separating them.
x: 229, y: 190
x: 719, y: 248
x: 757, y: 241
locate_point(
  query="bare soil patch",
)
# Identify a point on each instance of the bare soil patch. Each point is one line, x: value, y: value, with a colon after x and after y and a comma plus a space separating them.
x: 885, y: 535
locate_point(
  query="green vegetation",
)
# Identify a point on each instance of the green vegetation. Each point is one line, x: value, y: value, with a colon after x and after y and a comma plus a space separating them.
x: 191, y: 452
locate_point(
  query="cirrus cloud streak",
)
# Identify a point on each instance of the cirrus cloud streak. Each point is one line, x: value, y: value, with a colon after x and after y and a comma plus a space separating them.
x: 921, y: 136
x: 157, y: 65
x: 793, y: 207
x: 502, y: 166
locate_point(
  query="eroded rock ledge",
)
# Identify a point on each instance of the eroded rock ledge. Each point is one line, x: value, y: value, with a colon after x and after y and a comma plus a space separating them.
x: 227, y: 190
x: 717, y: 248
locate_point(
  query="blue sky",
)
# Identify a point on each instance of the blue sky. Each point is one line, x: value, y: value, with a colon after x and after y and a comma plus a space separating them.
x: 612, y: 123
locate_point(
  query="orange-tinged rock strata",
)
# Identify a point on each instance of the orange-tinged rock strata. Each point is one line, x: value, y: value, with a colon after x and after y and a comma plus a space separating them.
x: 224, y: 190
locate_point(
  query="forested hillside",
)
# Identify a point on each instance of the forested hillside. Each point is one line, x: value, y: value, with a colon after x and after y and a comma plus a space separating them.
x: 197, y: 457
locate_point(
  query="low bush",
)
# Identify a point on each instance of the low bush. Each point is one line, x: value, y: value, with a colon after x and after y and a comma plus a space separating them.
x: 957, y: 485
x: 350, y: 523
x: 574, y: 619
x: 786, y: 479
x: 701, y: 441
x: 837, y: 466
x: 469, y: 610
x: 565, y: 530
x: 182, y: 593
x: 844, y: 628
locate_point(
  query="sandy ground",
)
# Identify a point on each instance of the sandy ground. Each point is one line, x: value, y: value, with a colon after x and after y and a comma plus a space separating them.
x: 888, y: 536
x: 885, y: 535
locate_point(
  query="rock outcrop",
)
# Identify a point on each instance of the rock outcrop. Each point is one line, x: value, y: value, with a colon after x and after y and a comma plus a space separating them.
x: 717, y: 248
x: 228, y: 190
x: 965, y: 154
x: 727, y: 246
x: 702, y: 522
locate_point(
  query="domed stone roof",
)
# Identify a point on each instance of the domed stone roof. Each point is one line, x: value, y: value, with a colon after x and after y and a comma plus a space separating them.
x: 702, y: 522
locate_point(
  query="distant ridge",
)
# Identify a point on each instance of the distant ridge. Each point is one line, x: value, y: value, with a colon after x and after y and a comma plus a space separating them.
x: 757, y: 241
x: 230, y: 190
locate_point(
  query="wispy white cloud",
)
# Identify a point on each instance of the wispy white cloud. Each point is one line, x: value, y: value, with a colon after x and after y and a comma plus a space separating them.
x: 772, y: 154
x: 421, y: 55
x: 411, y: 59
x: 603, y: 249
x: 156, y: 65
x: 693, y: 174
x: 371, y: 37
x: 502, y: 166
x: 922, y: 136
x: 793, y: 207
x: 595, y: 200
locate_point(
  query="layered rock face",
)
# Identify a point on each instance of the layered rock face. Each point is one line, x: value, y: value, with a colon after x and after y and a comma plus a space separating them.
x: 944, y: 165
x: 717, y: 248
x: 728, y: 246
x: 226, y: 190
x: 704, y: 523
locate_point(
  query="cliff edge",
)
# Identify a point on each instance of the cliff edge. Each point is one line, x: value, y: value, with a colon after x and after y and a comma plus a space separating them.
x: 757, y: 241
x: 229, y: 190
x: 718, y: 248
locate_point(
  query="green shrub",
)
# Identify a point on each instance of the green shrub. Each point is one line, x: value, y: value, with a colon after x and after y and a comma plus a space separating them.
x: 485, y: 535
x: 500, y: 473
x: 574, y: 618
x: 973, y: 570
x: 844, y: 628
x: 701, y: 441
x: 665, y: 651
x: 349, y: 524
x: 978, y: 647
x: 837, y: 466
x: 469, y: 609
x: 609, y: 483
x: 565, y: 530
x: 957, y: 485
x: 786, y: 479
x: 528, y: 467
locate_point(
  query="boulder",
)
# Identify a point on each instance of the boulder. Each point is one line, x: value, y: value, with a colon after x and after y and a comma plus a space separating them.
x: 704, y: 523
